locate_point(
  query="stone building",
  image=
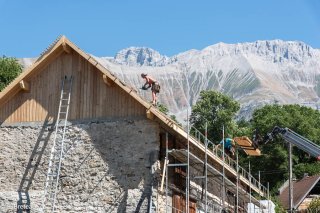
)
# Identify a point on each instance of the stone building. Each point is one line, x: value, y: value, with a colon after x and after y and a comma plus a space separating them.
x: 115, y: 146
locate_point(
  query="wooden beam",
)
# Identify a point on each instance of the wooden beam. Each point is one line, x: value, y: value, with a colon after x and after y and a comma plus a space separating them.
x: 66, y: 48
x: 24, y: 85
x: 163, y: 174
x: 150, y: 115
x: 108, y: 81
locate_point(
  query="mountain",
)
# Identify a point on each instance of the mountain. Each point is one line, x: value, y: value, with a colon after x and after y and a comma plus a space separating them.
x: 137, y: 56
x: 26, y: 62
x: 254, y: 74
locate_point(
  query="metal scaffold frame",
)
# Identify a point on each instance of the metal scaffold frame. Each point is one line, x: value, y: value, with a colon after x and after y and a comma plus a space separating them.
x: 189, y: 160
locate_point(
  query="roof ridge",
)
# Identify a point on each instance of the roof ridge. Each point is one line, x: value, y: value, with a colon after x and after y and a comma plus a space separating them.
x: 308, y: 177
x: 44, y: 52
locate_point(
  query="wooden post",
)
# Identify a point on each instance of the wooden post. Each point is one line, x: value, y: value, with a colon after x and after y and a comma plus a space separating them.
x: 163, y: 174
x: 150, y: 115
x: 24, y: 85
x: 290, y: 179
x: 66, y: 48
x: 107, y: 81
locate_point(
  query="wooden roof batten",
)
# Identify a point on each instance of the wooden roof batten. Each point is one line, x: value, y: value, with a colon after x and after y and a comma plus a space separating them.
x: 65, y: 45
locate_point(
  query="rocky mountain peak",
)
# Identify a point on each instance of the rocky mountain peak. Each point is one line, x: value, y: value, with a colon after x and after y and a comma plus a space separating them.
x: 272, y: 50
x: 140, y: 56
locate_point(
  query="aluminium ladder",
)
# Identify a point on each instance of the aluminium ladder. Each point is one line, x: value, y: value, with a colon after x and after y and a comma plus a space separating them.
x: 57, y: 150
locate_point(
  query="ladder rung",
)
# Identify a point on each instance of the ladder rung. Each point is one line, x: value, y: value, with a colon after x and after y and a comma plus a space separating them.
x: 58, y: 144
x: 50, y: 196
x: 51, y: 167
x: 52, y: 174
x: 56, y: 163
x: 178, y: 164
x: 57, y: 152
x: 199, y: 177
x: 58, y: 149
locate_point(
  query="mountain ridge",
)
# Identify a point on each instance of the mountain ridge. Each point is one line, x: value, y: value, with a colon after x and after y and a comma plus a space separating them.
x: 283, y: 49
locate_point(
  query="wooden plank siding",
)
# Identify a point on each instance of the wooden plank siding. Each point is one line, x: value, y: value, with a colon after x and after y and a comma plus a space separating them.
x: 91, y: 98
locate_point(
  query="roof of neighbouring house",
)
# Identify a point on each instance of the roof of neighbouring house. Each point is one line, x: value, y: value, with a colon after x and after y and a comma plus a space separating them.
x: 301, y: 189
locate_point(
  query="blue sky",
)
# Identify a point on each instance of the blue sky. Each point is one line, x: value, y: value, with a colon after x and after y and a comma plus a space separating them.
x: 103, y: 27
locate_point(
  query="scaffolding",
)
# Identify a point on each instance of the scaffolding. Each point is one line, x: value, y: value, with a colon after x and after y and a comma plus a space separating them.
x: 215, y: 167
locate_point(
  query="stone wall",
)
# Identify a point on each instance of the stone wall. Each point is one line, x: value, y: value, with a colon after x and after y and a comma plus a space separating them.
x: 109, y: 166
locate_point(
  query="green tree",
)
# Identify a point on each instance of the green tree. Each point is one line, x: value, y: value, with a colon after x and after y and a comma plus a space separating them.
x: 274, y: 160
x: 310, y: 168
x: 217, y: 110
x: 278, y: 207
x: 244, y: 128
x: 9, y: 70
x: 314, y: 206
x: 162, y: 108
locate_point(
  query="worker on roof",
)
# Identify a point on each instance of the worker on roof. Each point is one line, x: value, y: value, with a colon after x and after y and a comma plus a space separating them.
x: 228, y: 146
x: 155, y: 87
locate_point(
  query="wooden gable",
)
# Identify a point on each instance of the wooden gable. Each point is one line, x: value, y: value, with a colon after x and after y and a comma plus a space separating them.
x: 94, y: 95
